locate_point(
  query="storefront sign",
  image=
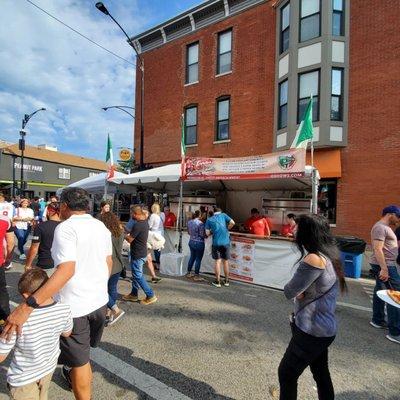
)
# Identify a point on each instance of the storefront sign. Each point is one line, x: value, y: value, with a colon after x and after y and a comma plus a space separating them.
x: 241, y: 263
x: 33, y: 170
x: 29, y: 167
x: 284, y: 164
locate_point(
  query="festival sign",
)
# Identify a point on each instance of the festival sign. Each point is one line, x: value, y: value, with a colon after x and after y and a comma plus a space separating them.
x: 284, y: 164
x: 241, y: 259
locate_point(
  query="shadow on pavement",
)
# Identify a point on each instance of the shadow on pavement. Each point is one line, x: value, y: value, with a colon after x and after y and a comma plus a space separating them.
x: 361, y: 396
x: 188, y: 386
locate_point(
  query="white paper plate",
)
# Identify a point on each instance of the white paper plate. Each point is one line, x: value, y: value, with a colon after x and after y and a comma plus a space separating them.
x: 383, y: 295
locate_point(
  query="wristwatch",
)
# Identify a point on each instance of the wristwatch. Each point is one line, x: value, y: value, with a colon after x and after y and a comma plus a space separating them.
x: 31, y: 301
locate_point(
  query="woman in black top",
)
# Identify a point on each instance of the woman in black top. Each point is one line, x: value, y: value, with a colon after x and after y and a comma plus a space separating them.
x: 42, y: 240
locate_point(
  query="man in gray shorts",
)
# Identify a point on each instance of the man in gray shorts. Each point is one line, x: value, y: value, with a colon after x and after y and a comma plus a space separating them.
x: 383, y: 263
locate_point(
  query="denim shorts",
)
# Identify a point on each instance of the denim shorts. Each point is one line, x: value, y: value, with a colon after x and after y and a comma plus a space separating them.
x: 220, y: 252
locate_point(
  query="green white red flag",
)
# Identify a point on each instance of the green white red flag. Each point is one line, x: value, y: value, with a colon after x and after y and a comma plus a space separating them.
x: 305, y: 132
x: 110, y: 159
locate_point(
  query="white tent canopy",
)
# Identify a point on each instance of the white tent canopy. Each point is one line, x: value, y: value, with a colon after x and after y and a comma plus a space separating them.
x: 167, y: 173
x: 96, y: 183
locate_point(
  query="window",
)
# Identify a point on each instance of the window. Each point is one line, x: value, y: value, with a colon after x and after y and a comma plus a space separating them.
x: 327, y: 195
x: 91, y: 174
x: 337, y: 95
x: 308, y: 85
x: 337, y: 18
x: 64, y: 173
x: 285, y: 28
x: 224, y: 63
x: 223, y: 116
x: 310, y: 19
x: 191, y: 125
x: 192, y: 63
x: 283, y: 99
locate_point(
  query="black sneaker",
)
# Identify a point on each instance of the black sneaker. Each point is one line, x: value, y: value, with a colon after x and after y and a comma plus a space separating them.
x: 155, y: 280
x: 66, y: 374
x: 216, y: 283
x: 226, y: 282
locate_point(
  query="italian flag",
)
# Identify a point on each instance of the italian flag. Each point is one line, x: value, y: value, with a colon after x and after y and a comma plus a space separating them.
x: 305, y: 132
x: 110, y: 159
x: 183, y: 146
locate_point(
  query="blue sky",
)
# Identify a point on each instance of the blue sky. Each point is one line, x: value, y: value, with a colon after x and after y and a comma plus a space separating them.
x: 44, y: 64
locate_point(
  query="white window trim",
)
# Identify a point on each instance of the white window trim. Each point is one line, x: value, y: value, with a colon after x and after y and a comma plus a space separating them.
x: 191, y: 83
x: 222, y: 141
x: 224, y: 73
x: 191, y: 145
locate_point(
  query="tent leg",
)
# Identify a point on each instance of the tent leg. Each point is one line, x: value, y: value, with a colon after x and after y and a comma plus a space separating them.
x: 180, y: 216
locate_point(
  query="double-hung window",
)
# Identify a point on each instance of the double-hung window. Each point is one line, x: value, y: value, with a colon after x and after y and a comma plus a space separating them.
x: 224, y: 62
x: 285, y: 28
x: 308, y: 86
x: 192, y: 63
x: 191, y: 125
x: 283, y: 106
x: 337, y: 95
x: 223, y: 117
x: 338, y: 18
x: 64, y: 173
x: 310, y: 19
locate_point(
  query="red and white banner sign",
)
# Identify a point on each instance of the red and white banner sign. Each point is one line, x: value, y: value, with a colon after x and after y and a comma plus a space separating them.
x: 284, y: 164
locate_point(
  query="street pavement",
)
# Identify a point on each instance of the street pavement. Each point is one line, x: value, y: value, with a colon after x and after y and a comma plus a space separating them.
x: 200, y: 342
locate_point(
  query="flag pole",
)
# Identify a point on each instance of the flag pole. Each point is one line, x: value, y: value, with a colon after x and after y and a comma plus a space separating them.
x: 314, y: 177
x: 180, y: 211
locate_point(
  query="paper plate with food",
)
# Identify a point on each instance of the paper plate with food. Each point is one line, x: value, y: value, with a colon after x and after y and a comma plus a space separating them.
x: 391, y: 297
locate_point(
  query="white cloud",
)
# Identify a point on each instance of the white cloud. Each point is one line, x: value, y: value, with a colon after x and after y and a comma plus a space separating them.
x: 43, y: 64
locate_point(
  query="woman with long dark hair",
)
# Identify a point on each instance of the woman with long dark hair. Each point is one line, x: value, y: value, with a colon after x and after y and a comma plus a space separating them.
x: 314, y: 288
x: 113, y: 224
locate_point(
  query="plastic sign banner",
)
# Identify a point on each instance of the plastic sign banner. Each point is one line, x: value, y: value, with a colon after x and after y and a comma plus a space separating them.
x: 125, y: 155
x: 284, y: 164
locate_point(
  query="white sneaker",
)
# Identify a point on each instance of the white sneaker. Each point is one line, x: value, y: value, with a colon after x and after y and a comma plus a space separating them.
x: 394, y: 339
x: 22, y: 257
x: 9, y: 266
x: 372, y: 323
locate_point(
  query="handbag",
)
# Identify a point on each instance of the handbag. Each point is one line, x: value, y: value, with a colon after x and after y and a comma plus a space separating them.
x: 292, y: 317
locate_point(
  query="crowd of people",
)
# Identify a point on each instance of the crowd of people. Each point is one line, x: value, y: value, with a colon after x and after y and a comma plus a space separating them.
x: 70, y: 248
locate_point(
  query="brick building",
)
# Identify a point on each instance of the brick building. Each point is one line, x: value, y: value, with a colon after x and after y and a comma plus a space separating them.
x: 242, y: 71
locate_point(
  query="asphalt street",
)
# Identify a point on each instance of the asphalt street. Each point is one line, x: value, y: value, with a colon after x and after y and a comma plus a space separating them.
x: 200, y: 342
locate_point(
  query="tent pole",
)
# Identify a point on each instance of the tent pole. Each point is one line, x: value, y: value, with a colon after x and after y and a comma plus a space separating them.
x: 180, y: 216
x: 315, y: 185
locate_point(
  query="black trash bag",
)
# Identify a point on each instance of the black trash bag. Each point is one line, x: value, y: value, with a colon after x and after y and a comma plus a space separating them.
x: 351, y: 244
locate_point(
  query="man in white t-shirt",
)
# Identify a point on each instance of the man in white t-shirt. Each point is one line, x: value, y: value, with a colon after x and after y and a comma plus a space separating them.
x: 82, y: 254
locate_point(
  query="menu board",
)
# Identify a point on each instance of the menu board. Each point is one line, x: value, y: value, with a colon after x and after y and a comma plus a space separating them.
x: 241, y: 262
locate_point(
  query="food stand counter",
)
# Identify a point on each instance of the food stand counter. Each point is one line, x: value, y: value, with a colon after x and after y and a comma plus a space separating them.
x: 267, y: 262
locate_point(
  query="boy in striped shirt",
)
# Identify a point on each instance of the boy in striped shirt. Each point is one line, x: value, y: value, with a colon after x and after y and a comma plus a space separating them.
x: 37, y: 348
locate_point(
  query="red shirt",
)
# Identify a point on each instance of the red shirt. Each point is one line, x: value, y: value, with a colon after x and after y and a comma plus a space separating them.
x: 4, y: 225
x: 170, y: 220
x: 260, y: 227
x: 249, y: 223
x: 288, y: 230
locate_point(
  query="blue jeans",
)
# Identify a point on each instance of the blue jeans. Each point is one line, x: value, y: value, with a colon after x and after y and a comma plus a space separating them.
x: 378, y: 305
x: 196, y: 255
x: 138, y: 280
x: 157, y: 256
x: 113, y: 290
x: 22, y: 236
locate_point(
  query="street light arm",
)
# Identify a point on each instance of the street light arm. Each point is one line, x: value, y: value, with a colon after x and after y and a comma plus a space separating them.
x: 122, y: 109
x: 28, y: 117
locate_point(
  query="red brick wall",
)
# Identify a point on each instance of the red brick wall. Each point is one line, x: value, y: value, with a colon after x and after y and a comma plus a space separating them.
x: 371, y: 161
x: 251, y: 87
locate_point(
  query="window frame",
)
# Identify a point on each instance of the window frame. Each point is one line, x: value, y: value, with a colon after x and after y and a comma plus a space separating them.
x: 197, y: 43
x: 217, y: 120
x: 188, y: 107
x: 281, y: 105
x: 63, y: 172
x: 221, y: 54
x: 342, y: 17
x: 341, y: 96
x: 282, y: 31
x: 302, y: 98
x: 309, y: 16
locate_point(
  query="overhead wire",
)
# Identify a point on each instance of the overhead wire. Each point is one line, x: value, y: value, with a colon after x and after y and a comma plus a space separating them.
x: 80, y: 34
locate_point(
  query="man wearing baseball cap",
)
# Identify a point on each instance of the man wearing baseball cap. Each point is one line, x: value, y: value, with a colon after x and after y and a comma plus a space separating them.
x: 383, y: 263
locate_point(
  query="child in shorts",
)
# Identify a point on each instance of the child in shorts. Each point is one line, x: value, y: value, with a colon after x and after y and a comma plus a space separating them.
x: 37, y: 348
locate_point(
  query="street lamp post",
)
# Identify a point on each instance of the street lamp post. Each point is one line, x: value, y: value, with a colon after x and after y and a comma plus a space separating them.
x: 101, y: 7
x: 22, y: 133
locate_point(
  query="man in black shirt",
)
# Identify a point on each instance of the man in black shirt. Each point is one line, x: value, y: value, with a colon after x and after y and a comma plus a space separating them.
x: 43, y: 239
x: 138, y: 240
